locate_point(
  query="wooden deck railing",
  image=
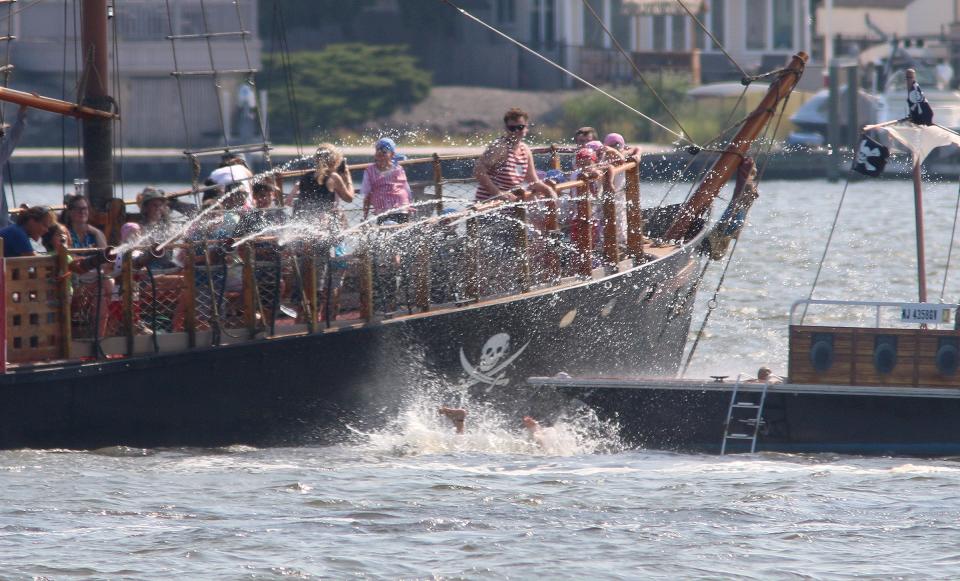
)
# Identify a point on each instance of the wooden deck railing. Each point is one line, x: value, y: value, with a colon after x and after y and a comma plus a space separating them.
x: 205, y: 305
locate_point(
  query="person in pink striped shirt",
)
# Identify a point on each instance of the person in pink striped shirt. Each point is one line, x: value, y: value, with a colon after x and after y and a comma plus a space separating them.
x: 385, y: 186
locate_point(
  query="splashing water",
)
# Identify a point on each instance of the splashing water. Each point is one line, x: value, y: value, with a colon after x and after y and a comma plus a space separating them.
x: 419, y: 429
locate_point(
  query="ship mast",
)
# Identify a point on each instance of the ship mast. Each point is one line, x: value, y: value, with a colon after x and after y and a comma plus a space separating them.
x: 730, y: 159
x: 97, y: 131
x: 911, y: 76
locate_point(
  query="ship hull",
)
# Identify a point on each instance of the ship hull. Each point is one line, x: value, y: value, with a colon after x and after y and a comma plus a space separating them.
x: 692, y: 416
x: 312, y: 389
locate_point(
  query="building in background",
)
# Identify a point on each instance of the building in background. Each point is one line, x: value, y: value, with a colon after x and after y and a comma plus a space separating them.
x: 152, y: 112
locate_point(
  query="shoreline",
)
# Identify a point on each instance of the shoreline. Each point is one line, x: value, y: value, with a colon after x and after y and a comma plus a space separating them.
x: 660, y: 163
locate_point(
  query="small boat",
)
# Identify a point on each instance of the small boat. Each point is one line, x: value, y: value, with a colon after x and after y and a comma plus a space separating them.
x: 209, y: 358
x: 877, y: 377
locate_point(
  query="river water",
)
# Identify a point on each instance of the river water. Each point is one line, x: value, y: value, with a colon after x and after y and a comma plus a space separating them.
x: 415, y: 501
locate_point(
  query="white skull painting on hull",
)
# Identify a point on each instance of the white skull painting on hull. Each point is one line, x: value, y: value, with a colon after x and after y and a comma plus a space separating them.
x: 495, y: 357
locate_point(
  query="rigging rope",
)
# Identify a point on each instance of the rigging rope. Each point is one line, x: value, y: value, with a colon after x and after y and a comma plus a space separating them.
x: 633, y: 64
x: 176, y: 68
x: 216, y: 75
x: 63, y: 95
x: 118, y: 124
x: 253, y: 84
x: 826, y: 247
x: 953, y: 237
x: 6, y: 83
x: 679, y: 136
x: 279, y: 23
x: 712, y: 304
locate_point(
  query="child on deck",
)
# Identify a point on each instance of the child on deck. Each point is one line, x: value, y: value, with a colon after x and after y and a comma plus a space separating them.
x: 385, y: 186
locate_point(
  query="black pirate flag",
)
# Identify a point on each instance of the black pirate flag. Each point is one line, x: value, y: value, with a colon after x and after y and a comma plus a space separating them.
x: 871, y: 157
x: 920, y: 111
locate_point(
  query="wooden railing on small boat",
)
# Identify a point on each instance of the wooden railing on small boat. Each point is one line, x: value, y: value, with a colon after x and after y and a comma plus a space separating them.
x: 877, y: 355
x: 214, y: 301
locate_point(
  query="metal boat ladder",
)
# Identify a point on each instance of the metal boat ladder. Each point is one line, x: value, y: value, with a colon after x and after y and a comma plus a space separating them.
x: 744, y: 417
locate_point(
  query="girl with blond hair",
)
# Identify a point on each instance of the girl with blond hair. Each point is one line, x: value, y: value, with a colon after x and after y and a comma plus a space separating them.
x: 318, y: 191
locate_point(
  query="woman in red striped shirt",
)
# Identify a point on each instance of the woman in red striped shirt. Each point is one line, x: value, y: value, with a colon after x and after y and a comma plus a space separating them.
x: 385, y: 186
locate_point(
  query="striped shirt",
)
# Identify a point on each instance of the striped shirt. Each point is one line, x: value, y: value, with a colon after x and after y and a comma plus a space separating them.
x: 508, y: 174
x: 388, y: 190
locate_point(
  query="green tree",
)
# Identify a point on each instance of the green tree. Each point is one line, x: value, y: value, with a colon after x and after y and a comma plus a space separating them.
x: 342, y: 86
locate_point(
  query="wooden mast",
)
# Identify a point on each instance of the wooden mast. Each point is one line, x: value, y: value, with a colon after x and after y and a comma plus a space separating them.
x: 730, y: 159
x: 911, y: 76
x: 97, y: 131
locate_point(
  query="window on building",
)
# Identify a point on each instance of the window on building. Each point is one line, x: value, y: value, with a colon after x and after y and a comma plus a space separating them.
x: 620, y: 25
x: 756, y: 25
x: 536, y: 9
x: 678, y: 33
x: 659, y: 32
x: 592, y: 31
x: 718, y: 21
x: 142, y: 21
x: 549, y: 23
x: 506, y: 11
x: 783, y: 17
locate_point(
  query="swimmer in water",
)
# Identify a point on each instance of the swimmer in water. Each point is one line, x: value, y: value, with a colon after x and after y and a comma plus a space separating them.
x: 458, y: 417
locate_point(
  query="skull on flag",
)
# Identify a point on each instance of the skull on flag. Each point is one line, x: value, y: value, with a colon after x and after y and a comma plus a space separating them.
x: 871, y: 157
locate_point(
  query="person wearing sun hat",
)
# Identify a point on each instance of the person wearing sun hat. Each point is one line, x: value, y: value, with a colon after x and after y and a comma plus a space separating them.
x: 385, y: 188
x: 154, y: 209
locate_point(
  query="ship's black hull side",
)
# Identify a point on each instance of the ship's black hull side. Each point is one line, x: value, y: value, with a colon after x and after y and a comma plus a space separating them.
x: 887, y: 421
x: 310, y: 389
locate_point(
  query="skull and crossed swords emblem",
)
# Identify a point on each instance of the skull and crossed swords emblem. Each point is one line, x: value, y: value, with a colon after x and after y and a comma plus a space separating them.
x: 865, y: 153
x: 494, y: 360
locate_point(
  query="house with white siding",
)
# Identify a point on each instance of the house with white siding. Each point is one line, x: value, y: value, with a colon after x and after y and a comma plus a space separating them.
x: 46, y: 60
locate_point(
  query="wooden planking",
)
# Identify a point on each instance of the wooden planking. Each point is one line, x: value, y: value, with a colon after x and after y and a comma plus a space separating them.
x: 853, y: 357
x: 903, y: 371
x: 33, y: 309
x: 801, y: 368
x: 927, y: 371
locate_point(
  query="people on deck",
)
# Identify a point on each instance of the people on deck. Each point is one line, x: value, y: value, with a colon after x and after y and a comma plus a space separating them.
x: 584, y: 135
x: 154, y: 211
x: 385, y: 187
x: 24, y: 237
x: 233, y: 174
x: 506, y: 173
x: 318, y: 192
x: 316, y: 199
x: 76, y: 217
x: 765, y: 375
x: 264, y: 213
x: 506, y: 170
x: 617, y: 142
x: 94, y: 287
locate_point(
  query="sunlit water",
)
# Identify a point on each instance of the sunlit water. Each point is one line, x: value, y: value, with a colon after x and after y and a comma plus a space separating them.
x: 418, y: 501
